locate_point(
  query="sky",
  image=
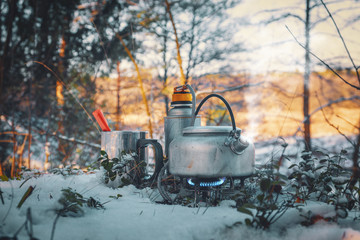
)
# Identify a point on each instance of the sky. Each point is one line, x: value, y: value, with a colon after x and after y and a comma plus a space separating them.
x: 271, y: 47
x: 277, y: 50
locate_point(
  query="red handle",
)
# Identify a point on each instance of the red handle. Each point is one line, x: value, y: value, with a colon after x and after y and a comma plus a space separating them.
x: 100, y: 119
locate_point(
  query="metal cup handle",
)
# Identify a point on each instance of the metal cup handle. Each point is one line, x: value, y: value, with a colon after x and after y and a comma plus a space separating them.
x: 159, y: 163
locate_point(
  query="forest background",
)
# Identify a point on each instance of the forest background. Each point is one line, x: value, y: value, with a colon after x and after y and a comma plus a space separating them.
x: 61, y: 60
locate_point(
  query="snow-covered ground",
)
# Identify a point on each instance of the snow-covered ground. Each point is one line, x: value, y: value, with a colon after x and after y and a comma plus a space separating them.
x: 131, y: 213
x: 135, y: 215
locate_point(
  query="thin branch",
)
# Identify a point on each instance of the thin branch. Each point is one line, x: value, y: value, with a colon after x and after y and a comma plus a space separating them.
x: 101, y: 43
x: 342, y: 99
x: 342, y: 39
x: 72, y: 140
x: 333, y: 126
x: 348, y: 122
x: 327, y: 65
x: 54, y: 225
x: 72, y: 94
x: 286, y: 15
x: 230, y: 89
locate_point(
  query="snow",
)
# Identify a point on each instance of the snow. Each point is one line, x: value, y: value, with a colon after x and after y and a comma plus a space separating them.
x: 136, y: 215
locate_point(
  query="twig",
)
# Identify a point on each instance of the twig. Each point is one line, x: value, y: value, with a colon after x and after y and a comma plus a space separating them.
x: 230, y: 89
x: 348, y: 122
x: 62, y: 82
x: 341, y: 99
x: 11, y: 202
x: 342, y: 40
x: 101, y: 43
x: 333, y: 126
x: 205, y: 210
x: 73, y: 140
x: 327, y: 65
x: 54, y: 225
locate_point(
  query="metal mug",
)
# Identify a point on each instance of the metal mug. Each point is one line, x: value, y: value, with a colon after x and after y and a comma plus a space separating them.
x: 114, y: 143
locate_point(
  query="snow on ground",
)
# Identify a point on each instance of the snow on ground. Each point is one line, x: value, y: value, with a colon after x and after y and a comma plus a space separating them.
x: 135, y: 215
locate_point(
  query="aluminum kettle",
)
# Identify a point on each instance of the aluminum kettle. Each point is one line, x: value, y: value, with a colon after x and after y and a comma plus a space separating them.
x: 211, y: 151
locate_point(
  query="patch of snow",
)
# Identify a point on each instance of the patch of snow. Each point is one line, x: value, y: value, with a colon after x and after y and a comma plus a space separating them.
x: 136, y: 215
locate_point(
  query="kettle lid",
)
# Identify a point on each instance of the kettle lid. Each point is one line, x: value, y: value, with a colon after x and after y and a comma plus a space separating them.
x: 208, y: 130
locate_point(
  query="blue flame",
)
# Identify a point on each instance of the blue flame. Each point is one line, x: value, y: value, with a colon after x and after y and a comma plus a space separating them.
x: 208, y: 184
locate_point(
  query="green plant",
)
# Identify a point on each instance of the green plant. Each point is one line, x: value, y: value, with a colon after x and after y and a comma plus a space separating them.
x: 71, y: 205
x: 321, y: 177
x: 122, y: 171
x: 66, y: 171
x: 270, y: 202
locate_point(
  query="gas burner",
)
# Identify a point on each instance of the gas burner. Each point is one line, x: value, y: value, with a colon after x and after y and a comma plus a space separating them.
x: 206, y: 182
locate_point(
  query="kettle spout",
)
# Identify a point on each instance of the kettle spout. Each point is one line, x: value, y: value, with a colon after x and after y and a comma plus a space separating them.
x: 236, y: 143
x: 239, y: 145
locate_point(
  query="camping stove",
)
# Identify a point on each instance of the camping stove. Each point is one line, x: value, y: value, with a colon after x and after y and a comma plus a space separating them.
x: 204, y: 161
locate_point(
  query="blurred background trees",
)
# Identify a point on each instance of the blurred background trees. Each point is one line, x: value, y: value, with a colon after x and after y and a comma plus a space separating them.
x: 61, y: 60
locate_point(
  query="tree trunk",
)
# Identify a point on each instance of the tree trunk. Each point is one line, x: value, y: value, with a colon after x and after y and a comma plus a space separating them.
x: 118, y: 108
x: 9, y: 20
x: 13, y: 166
x: 1, y: 170
x: 306, y: 98
x: 28, y: 162
x: 183, y: 80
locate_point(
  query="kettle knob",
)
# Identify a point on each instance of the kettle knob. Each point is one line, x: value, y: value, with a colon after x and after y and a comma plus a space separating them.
x: 236, y: 143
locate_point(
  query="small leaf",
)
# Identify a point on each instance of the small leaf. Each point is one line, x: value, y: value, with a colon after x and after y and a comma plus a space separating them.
x: 116, y: 197
x: 248, y: 222
x: 245, y: 210
x: 327, y: 188
x: 282, y: 176
x: 293, y: 165
x: 26, y: 196
x: 336, y: 165
x: 282, y: 183
x: 323, y: 161
x: 103, y: 153
x: 249, y: 205
x: 4, y: 178
x: 260, y: 197
x: 265, y: 184
x: 318, y: 168
x: 276, y: 167
x: 293, y: 175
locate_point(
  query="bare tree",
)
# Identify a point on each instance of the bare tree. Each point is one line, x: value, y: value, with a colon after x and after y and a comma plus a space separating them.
x: 309, y: 23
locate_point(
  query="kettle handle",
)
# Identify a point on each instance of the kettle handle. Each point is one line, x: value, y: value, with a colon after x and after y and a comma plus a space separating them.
x: 159, y: 163
x: 226, y: 104
x: 193, y: 102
